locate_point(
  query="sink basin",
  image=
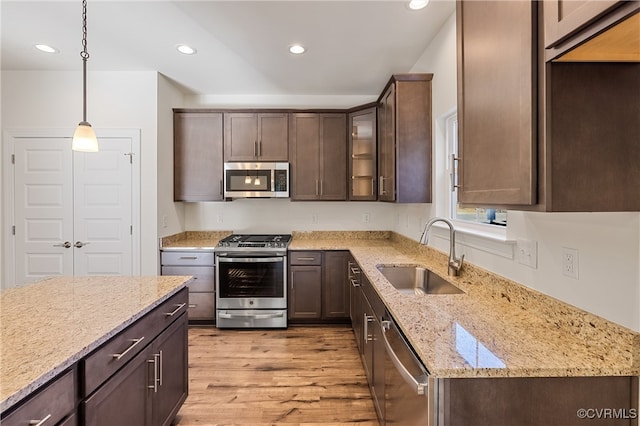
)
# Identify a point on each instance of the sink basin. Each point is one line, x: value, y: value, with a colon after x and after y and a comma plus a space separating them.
x: 417, y: 280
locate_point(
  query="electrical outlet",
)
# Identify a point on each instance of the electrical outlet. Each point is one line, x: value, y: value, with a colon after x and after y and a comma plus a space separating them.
x: 164, y: 220
x: 314, y: 218
x: 366, y: 218
x: 570, y: 262
x: 219, y: 218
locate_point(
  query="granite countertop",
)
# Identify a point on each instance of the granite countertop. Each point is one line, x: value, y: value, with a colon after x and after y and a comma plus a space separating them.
x: 193, y: 240
x: 46, y: 327
x: 498, y: 328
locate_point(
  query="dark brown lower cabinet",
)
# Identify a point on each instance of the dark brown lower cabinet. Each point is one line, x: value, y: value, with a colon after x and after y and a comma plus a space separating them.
x: 318, y: 286
x: 125, y: 398
x: 55, y: 402
x: 150, y: 389
x: 305, y: 294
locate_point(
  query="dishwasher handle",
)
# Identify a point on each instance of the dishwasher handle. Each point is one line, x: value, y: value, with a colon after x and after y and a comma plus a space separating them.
x: 419, y: 387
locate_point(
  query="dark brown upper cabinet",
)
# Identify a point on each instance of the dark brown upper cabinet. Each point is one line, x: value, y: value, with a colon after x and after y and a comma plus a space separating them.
x: 363, y: 141
x: 318, y: 154
x: 497, y: 126
x: 404, y: 139
x: 197, y: 156
x: 538, y: 134
x: 575, y: 23
x: 252, y: 136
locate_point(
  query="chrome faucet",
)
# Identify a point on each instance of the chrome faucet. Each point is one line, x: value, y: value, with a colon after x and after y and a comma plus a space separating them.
x: 454, y: 264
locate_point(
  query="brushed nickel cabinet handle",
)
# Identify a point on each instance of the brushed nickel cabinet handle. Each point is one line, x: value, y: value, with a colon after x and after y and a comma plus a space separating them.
x: 154, y: 386
x: 160, y: 368
x: 365, y: 329
x: 39, y: 422
x: 306, y: 258
x: 178, y: 307
x: 188, y: 257
x: 135, y: 343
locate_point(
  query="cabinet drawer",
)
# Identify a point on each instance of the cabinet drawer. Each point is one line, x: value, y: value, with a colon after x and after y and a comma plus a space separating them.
x: 203, y: 276
x: 305, y: 257
x: 54, y: 402
x: 202, y: 306
x: 187, y: 258
x: 116, y: 352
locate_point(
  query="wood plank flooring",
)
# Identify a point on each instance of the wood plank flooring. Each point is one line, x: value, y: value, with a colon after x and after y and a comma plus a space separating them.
x: 299, y: 376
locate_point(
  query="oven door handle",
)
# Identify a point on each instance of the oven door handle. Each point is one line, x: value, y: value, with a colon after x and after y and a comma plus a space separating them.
x: 226, y: 315
x: 230, y: 258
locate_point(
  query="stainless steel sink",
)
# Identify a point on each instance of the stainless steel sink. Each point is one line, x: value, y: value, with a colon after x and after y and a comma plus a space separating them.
x: 417, y: 280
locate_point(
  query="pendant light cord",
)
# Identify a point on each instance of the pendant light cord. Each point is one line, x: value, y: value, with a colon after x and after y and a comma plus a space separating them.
x: 84, y: 55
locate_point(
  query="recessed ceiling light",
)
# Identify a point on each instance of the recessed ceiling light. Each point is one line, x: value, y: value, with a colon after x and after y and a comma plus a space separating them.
x: 46, y: 48
x: 418, y: 4
x: 186, y: 49
x: 297, y: 49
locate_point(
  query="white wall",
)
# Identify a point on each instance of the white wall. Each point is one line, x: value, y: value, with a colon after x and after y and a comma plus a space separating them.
x: 53, y: 99
x: 170, y: 214
x: 608, y: 243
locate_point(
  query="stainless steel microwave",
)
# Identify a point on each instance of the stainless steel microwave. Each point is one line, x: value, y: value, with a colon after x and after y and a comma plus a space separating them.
x: 256, y: 180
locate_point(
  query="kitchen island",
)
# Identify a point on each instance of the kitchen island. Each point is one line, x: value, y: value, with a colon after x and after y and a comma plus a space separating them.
x: 55, y: 326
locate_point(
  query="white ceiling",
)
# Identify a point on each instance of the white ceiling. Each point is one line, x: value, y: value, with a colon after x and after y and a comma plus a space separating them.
x: 353, y: 46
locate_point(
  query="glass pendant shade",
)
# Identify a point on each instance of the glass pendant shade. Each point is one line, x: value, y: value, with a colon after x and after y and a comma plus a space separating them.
x: 257, y: 181
x: 84, y: 138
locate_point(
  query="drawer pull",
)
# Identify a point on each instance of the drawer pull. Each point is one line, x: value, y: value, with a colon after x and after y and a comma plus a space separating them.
x: 154, y: 361
x: 189, y: 257
x: 193, y: 305
x: 39, y: 422
x: 306, y: 258
x: 135, y: 343
x: 180, y: 306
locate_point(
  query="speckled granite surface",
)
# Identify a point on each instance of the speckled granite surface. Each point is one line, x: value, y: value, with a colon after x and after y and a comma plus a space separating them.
x: 498, y: 328
x: 193, y: 240
x: 47, y: 326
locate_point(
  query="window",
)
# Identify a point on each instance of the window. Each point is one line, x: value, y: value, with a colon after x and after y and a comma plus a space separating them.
x: 489, y: 216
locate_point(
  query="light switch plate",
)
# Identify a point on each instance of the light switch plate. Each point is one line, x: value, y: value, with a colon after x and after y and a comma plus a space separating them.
x: 527, y: 252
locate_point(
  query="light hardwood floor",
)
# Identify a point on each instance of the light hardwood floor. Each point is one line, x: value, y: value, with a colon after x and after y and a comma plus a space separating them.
x: 299, y: 376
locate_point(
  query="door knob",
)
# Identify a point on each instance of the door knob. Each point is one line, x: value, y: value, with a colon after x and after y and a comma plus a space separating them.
x: 66, y: 244
x: 80, y: 244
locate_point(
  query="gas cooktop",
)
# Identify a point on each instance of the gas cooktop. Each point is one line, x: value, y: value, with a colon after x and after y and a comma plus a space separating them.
x: 278, y: 241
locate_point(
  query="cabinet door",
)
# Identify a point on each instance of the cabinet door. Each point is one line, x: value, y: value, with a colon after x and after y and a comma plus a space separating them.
x: 562, y: 18
x: 333, y: 162
x: 362, y: 158
x: 387, y: 138
x: 273, y: 131
x: 125, y: 399
x: 169, y: 352
x: 197, y: 158
x: 335, y: 290
x: 497, y: 106
x: 240, y: 136
x: 306, y: 292
x: 304, y: 152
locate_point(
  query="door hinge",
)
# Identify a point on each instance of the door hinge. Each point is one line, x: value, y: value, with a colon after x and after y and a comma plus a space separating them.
x: 130, y: 154
x: 13, y: 159
x: 130, y: 229
x: 13, y: 230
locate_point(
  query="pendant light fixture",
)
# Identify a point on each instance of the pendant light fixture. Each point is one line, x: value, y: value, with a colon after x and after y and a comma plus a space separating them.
x: 84, y: 138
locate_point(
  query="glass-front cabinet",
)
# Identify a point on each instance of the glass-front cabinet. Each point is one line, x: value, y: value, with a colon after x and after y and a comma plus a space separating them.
x: 362, y: 158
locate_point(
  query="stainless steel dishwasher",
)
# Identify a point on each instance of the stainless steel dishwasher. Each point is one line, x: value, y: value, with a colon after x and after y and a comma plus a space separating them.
x: 406, y: 388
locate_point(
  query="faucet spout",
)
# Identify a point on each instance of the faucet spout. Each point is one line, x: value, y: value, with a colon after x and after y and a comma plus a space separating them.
x: 455, y: 264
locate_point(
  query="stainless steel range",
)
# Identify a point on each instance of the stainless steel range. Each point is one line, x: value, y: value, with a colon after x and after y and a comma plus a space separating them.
x: 251, y: 284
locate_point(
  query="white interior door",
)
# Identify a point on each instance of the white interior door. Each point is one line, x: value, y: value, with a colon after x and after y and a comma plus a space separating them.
x: 103, y: 209
x: 74, y: 213
x: 43, y: 208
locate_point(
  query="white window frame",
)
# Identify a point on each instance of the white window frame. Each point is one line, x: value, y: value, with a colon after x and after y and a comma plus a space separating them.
x: 481, y: 236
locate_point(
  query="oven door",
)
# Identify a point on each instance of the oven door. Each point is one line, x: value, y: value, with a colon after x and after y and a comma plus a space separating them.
x: 250, y: 282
